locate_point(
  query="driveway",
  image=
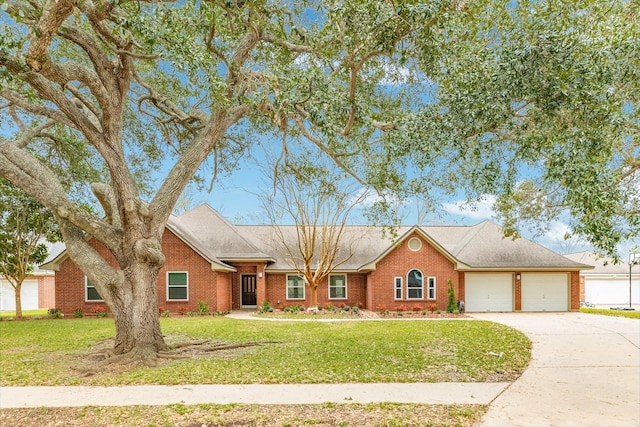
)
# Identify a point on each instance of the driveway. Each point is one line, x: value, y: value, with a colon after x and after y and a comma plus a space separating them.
x: 584, y: 371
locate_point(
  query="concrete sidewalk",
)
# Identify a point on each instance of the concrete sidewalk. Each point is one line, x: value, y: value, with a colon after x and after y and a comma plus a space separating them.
x: 70, y: 396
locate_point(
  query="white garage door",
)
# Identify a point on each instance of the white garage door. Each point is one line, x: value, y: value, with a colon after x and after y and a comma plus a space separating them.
x: 488, y: 292
x: 545, y: 292
x: 28, y: 294
x: 610, y: 292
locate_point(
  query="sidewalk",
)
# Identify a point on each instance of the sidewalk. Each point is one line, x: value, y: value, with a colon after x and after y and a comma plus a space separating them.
x: 74, y: 396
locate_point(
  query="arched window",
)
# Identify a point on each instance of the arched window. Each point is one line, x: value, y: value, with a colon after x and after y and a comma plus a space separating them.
x: 415, y: 285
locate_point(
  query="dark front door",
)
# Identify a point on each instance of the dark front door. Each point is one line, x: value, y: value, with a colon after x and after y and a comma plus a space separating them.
x: 249, y: 290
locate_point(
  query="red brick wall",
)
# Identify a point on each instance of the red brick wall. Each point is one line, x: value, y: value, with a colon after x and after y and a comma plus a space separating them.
x: 398, y: 263
x: 518, y: 291
x: 575, y: 290
x: 46, y: 291
x: 202, y: 281
x: 223, y: 292
x: 276, y: 286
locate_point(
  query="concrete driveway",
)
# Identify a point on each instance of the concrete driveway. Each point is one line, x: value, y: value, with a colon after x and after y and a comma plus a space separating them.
x: 584, y: 371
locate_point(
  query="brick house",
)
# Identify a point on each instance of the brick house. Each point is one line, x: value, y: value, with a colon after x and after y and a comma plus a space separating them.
x: 239, y: 266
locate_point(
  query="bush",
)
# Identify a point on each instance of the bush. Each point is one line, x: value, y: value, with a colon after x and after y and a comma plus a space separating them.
x: 203, y: 307
x: 55, y: 313
x: 266, y: 307
x: 101, y: 312
x: 77, y: 313
x: 355, y: 310
x: 451, y: 302
x: 346, y: 308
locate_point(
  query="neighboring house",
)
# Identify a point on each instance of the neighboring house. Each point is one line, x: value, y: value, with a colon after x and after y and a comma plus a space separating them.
x: 607, y: 285
x: 38, y: 289
x: 237, y: 266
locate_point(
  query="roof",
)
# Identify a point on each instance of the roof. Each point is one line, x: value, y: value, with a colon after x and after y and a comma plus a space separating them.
x: 602, y: 265
x: 478, y: 247
x: 219, y: 236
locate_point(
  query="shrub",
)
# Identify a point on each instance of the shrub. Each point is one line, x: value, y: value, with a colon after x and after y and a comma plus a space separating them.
x: 355, y: 310
x: 432, y: 306
x: 55, y: 313
x: 401, y: 308
x: 203, y: 307
x: 77, y: 313
x: 266, y: 307
x: 416, y: 307
x: 101, y: 312
x: 451, y: 302
x: 166, y: 313
x: 346, y: 308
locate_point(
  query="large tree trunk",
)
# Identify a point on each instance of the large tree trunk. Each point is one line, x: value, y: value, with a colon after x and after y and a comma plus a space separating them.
x: 135, y: 311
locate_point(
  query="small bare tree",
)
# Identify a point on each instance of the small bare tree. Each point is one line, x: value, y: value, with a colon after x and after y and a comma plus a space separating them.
x: 319, y: 206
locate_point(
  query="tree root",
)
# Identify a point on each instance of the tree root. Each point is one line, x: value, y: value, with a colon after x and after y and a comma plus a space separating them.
x: 104, y: 360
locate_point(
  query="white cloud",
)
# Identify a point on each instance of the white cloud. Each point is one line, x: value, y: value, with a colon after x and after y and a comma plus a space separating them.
x: 480, y: 210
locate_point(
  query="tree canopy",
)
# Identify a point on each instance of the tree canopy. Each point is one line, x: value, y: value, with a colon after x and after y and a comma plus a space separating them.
x: 532, y: 101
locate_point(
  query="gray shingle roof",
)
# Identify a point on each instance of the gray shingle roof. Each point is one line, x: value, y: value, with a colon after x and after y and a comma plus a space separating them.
x: 602, y: 265
x: 477, y: 247
x: 220, y: 236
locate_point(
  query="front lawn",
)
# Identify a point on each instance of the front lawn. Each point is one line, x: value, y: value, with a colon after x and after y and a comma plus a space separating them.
x: 44, y: 352
x: 607, y: 312
x: 41, y: 312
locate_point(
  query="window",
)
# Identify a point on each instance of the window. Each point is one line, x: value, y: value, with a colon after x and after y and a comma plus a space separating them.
x: 91, y: 294
x: 431, y: 288
x: 295, y: 287
x: 177, y: 286
x: 414, y: 285
x: 414, y: 244
x: 397, y: 288
x: 337, y: 286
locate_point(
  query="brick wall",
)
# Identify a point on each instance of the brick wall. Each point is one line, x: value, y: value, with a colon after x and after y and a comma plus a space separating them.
x: 398, y: 263
x: 202, y: 281
x: 575, y: 291
x: 518, y: 291
x: 46, y: 291
x: 276, y: 286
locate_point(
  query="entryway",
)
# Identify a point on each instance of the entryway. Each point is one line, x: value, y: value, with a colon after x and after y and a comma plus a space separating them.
x: 248, y: 299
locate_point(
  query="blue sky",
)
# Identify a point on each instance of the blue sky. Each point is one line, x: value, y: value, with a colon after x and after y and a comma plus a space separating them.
x: 236, y: 198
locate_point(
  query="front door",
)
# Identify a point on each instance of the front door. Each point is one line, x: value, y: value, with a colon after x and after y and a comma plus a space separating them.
x: 249, y: 290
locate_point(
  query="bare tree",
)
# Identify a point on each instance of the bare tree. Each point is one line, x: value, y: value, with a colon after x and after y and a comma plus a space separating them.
x: 319, y: 207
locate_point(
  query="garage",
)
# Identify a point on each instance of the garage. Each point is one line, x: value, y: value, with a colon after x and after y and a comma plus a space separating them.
x: 488, y: 292
x: 29, y: 295
x: 545, y: 292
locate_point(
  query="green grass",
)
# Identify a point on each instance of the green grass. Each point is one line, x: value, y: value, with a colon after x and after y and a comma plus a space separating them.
x: 617, y: 313
x: 43, y: 352
x: 42, y: 312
